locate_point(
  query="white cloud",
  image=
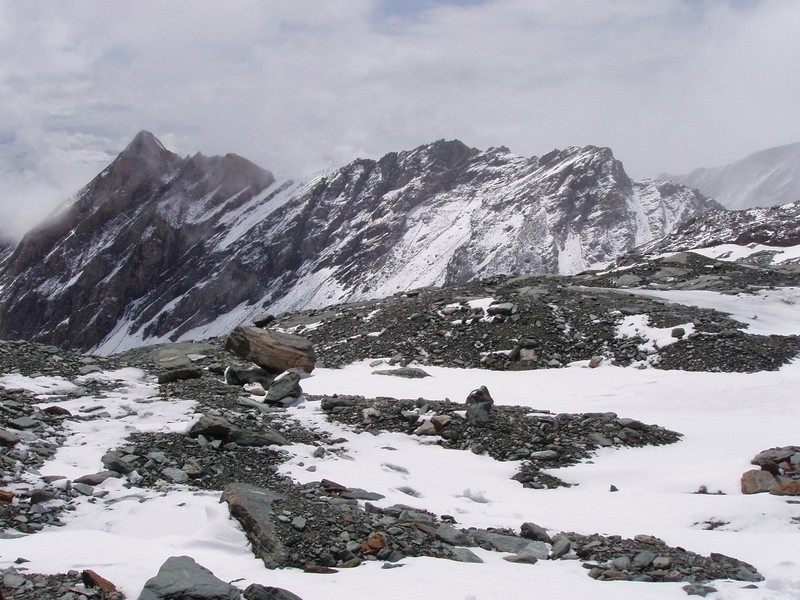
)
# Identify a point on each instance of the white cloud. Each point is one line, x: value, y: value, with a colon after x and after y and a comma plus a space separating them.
x: 298, y: 86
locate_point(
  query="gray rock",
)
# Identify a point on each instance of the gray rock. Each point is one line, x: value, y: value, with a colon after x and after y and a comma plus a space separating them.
x: 426, y: 428
x: 114, y: 461
x: 510, y: 543
x: 678, y: 332
x: 561, y: 546
x: 405, y: 372
x: 545, y: 455
x: 252, y: 507
x: 23, y: 423
x: 285, y: 386
x: 96, y: 478
x: 83, y: 489
x: 89, y: 369
x: 299, y: 523
x: 176, y: 475
x: 465, y: 555
x: 239, y: 377
x: 172, y: 375
x: 213, y: 427
x: 359, y: 494
x: 696, y: 589
x: 599, y: 439
x: 774, y: 455
x: 622, y: 563
x: 502, y: 308
x: 181, y: 578
x: 257, y: 591
x: 451, y: 535
x: 644, y: 559
x: 532, y: 531
x: 8, y: 438
x: 479, y: 413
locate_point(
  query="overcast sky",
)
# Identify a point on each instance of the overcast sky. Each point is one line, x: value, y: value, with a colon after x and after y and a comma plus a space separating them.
x: 298, y: 86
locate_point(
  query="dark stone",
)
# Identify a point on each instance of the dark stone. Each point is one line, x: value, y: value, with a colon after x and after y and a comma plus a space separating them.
x: 532, y: 531
x: 479, y: 414
x: 8, y: 438
x: 173, y: 375
x: 221, y: 429
x: 405, y: 372
x: 114, y: 461
x: 285, y: 386
x: 181, y: 578
x: 239, y: 377
x: 256, y: 591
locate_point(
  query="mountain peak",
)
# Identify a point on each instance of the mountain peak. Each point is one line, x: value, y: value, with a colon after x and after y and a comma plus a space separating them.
x: 145, y: 142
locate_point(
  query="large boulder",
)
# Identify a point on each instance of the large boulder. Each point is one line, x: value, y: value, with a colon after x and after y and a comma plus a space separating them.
x: 181, y: 578
x: 273, y: 351
x: 218, y: 428
x: 252, y: 507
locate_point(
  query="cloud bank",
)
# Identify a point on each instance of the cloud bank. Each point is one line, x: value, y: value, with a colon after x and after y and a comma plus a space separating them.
x: 298, y: 87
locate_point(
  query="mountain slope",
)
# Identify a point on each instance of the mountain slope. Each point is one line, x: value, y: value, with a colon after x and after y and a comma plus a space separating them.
x: 160, y: 247
x: 777, y: 226
x: 70, y: 280
x: 767, y: 178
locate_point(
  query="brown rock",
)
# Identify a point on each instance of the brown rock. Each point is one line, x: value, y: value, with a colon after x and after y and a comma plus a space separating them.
x: 790, y: 488
x: 92, y: 580
x: 595, y: 361
x: 6, y: 496
x: 479, y: 396
x: 319, y: 569
x: 271, y: 350
x: 440, y: 422
x: 375, y: 541
x: 757, y: 482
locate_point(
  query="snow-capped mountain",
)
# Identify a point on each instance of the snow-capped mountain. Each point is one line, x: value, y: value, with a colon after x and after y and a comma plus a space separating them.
x: 777, y: 226
x: 159, y: 246
x: 767, y: 178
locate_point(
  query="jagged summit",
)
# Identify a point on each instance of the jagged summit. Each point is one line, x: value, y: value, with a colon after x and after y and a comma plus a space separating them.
x: 158, y: 247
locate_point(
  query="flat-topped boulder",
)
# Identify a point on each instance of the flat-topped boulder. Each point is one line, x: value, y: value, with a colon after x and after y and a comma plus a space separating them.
x: 273, y: 351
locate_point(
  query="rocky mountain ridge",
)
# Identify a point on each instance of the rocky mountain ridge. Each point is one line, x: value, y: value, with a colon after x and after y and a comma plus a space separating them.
x: 777, y: 226
x: 158, y: 247
x: 770, y: 177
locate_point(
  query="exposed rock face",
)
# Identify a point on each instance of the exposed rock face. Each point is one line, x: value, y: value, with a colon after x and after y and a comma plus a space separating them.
x: 162, y: 247
x: 122, y: 244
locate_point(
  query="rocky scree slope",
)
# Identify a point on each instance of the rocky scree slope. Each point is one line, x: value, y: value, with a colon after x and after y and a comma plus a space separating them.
x: 547, y: 322
x: 158, y: 247
x: 319, y: 526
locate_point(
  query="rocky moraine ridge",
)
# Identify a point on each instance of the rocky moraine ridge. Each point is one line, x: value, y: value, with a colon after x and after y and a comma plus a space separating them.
x: 235, y: 447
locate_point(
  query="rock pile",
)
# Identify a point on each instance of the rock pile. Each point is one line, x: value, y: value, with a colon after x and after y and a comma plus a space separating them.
x: 544, y: 323
x: 539, y: 438
x: 779, y: 472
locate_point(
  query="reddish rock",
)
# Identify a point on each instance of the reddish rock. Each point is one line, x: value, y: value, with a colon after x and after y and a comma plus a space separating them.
x: 790, y: 488
x: 6, y: 496
x: 92, y: 580
x: 375, y: 541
